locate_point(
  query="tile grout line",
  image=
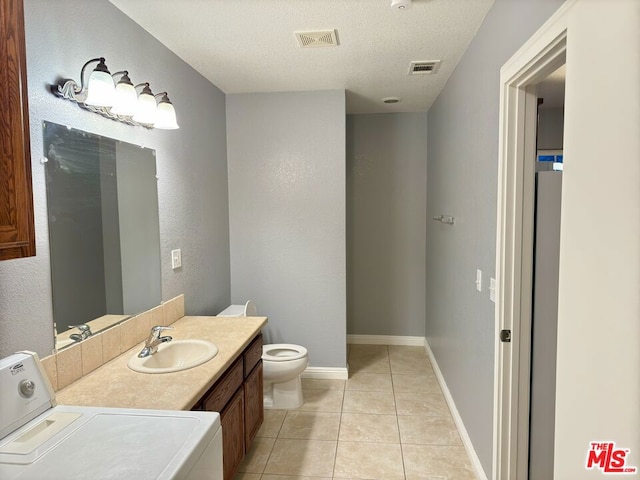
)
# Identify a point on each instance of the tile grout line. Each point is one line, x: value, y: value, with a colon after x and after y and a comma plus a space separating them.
x: 344, y: 393
x: 335, y: 457
x: 395, y: 405
x: 274, y: 444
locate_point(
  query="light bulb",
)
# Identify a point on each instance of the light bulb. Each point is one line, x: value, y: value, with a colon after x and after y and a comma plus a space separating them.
x: 146, y: 110
x: 126, y: 99
x: 166, y: 117
x: 100, y: 89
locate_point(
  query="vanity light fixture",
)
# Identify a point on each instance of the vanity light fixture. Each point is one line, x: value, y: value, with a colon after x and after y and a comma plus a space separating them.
x: 121, y: 101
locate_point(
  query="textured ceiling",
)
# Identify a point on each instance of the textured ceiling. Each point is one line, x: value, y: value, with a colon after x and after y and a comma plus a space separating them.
x: 249, y: 45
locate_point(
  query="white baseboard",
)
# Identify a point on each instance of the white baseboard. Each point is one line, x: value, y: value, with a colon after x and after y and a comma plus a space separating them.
x: 326, y: 373
x: 464, y: 435
x: 385, y: 340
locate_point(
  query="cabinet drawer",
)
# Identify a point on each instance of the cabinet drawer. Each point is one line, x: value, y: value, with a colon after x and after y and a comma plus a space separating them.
x: 225, y: 388
x: 252, y: 355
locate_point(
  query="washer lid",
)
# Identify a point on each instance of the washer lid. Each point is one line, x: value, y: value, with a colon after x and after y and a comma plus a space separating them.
x: 120, y: 445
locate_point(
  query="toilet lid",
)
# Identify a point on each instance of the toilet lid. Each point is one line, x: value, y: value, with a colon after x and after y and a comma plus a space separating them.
x: 250, y: 309
x: 282, y: 352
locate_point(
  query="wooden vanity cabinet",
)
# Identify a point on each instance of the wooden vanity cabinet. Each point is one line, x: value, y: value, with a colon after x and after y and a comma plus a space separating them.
x: 17, y: 233
x: 232, y: 420
x: 253, y: 405
x: 239, y: 399
x: 253, y: 391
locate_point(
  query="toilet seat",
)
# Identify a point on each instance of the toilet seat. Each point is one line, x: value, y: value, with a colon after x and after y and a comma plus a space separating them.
x: 282, y: 352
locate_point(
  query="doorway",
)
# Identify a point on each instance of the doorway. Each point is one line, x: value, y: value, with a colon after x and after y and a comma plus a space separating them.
x: 549, y: 163
x: 599, y: 274
x: 543, y: 54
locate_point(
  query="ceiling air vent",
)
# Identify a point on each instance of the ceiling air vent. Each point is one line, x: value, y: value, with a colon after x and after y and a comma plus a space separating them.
x: 324, y: 38
x: 424, y: 67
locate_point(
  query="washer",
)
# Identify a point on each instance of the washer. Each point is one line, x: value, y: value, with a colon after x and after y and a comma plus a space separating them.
x: 44, y: 441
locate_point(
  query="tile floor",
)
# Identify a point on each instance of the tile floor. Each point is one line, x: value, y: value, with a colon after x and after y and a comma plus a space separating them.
x: 388, y: 421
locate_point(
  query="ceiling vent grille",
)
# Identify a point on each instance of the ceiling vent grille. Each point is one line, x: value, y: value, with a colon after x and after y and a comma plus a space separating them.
x: 425, y: 67
x: 324, y: 38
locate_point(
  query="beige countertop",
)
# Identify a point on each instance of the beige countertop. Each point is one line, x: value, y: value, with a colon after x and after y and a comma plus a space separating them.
x: 115, y: 385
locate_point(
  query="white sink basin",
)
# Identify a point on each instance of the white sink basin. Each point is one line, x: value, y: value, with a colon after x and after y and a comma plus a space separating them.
x: 175, y: 356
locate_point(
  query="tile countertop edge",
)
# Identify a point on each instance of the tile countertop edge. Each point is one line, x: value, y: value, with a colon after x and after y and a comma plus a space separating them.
x: 115, y: 385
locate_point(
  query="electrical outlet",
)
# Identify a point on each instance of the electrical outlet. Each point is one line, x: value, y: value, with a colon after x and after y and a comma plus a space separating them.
x: 479, y: 280
x: 176, y: 259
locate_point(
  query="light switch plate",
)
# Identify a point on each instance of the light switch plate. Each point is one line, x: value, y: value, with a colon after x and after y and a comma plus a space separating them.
x: 479, y: 280
x: 176, y: 259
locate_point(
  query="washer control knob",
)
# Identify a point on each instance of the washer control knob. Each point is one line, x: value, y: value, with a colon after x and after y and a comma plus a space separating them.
x: 27, y: 387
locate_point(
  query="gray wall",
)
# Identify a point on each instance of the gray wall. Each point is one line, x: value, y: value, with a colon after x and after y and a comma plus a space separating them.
x: 138, y: 225
x: 544, y: 324
x: 550, y: 128
x: 462, y: 181
x: 110, y: 237
x: 191, y: 162
x: 287, y: 216
x: 386, y: 216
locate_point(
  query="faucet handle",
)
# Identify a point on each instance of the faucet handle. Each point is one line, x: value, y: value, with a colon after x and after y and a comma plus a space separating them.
x: 155, y: 332
x: 151, y: 345
x: 160, y: 328
x: 83, y: 327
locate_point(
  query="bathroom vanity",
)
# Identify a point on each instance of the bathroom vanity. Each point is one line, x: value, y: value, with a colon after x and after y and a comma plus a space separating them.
x: 230, y: 383
x: 237, y: 396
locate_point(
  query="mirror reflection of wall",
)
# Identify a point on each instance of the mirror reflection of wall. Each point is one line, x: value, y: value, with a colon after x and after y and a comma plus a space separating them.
x: 103, y: 227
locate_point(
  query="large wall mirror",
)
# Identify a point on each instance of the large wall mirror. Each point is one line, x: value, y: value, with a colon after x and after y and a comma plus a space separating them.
x: 104, y: 234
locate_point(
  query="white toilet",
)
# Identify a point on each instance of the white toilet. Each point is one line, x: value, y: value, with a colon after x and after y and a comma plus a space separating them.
x: 282, y: 365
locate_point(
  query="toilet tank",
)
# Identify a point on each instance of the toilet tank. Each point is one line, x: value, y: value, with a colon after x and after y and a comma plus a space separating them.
x: 246, y: 310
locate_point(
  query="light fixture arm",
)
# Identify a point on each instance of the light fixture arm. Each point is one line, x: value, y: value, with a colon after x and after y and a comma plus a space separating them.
x: 70, y: 89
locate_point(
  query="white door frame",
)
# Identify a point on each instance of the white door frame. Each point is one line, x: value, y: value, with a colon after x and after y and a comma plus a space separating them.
x: 539, y: 56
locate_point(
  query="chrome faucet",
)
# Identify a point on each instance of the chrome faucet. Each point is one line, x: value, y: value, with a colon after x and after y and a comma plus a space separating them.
x: 85, y: 332
x: 151, y: 345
